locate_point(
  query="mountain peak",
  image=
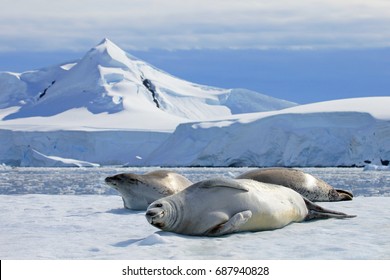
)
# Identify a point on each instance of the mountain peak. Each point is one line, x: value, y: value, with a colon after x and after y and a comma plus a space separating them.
x: 107, y: 44
x: 107, y: 50
x: 105, y: 41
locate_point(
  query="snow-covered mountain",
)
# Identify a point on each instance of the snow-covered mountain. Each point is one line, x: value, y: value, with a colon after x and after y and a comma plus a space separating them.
x: 108, y: 88
x: 107, y: 107
x: 349, y: 132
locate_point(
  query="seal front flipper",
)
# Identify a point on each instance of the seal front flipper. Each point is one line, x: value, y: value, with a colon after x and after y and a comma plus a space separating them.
x: 232, y: 225
x: 317, y: 212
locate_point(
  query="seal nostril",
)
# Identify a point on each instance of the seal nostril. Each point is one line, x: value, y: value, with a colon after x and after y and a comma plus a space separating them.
x: 150, y: 214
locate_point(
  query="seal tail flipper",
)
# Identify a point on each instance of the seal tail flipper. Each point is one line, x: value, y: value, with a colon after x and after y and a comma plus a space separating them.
x: 232, y: 225
x: 344, y: 195
x: 318, y: 212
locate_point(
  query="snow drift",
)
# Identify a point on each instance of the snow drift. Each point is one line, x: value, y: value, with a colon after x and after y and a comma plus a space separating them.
x: 351, y: 132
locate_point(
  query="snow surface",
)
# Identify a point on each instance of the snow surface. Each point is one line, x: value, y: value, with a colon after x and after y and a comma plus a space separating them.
x: 349, y: 132
x: 40, y: 223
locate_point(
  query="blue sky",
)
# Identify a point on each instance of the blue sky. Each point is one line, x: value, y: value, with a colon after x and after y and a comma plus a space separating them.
x: 303, y: 50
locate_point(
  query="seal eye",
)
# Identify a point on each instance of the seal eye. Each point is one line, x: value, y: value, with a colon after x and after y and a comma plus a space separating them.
x: 159, y: 205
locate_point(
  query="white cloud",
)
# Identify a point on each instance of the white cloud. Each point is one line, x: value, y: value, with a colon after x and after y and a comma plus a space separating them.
x: 173, y: 24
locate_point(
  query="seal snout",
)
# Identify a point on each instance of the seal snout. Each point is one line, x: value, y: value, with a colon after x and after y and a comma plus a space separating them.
x: 111, y: 181
x: 155, y: 217
x: 115, y: 180
x: 108, y: 180
x: 152, y: 215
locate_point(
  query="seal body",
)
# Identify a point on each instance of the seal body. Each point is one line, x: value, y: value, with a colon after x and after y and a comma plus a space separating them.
x: 138, y: 191
x: 307, y: 185
x: 223, y: 206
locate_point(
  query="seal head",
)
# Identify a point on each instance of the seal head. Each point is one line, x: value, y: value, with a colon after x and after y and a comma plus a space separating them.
x: 139, y: 190
x: 161, y: 214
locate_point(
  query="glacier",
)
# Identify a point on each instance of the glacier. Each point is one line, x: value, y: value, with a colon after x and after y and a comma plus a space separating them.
x: 349, y: 132
x: 37, y: 148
